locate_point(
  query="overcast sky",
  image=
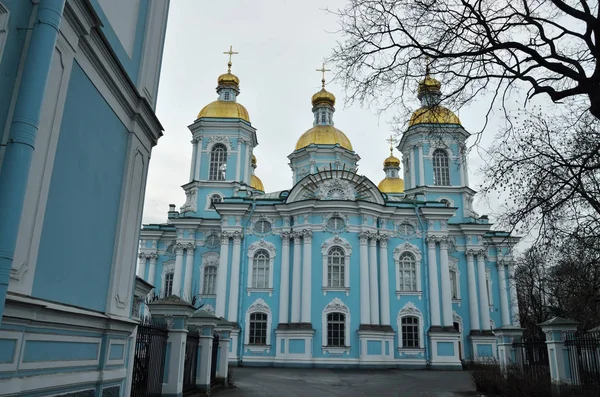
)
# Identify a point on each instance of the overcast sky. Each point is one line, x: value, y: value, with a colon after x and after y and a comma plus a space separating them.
x: 281, y: 43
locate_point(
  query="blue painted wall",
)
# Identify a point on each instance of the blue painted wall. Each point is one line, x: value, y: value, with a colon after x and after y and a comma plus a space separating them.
x: 35, y: 351
x: 78, y: 236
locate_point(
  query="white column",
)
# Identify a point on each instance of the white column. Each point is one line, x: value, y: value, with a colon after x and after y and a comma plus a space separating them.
x: 446, y: 290
x: 296, y: 280
x: 152, y: 269
x: 473, y: 309
x: 306, y: 276
x: 461, y: 161
x: 384, y: 282
x: 421, y: 166
x: 234, y: 282
x: 198, y: 158
x: 503, y: 294
x: 365, y: 315
x: 223, y: 358
x: 194, y: 159
x: 178, y: 274
x: 373, y: 287
x: 247, y: 164
x: 413, y: 164
x: 189, y: 268
x: 174, y: 385
x: 514, y: 303
x: 222, y: 276
x: 284, y: 284
x: 239, y: 160
x: 434, y: 292
x: 141, y: 267
x: 204, y: 360
x: 484, y: 306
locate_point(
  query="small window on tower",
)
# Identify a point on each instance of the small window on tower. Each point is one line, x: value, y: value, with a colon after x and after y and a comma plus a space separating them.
x: 226, y: 96
x: 323, y: 117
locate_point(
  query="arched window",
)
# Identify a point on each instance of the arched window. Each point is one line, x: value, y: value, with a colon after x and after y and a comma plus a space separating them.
x: 336, y: 329
x: 260, y: 269
x: 410, y: 332
x: 441, y: 168
x: 336, y: 266
x: 446, y: 202
x: 218, y: 158
x: 215, y: 198
x: 210, y: 280
x: 168, y: 287
x: 258, y: 329
x: 407, y: 268
x: 336, y: 224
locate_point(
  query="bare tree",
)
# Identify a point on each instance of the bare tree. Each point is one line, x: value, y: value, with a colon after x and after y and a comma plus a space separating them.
x: 544, y: 46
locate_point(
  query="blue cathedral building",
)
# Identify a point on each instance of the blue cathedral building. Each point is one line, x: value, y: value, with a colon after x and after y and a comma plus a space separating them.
x: 336, y: 270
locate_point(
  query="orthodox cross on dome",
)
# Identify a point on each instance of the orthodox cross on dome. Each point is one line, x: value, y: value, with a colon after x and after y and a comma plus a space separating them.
x: 323, y: 70
x: 391, y: 141
x: 427, y: 65
x: 230, y: 52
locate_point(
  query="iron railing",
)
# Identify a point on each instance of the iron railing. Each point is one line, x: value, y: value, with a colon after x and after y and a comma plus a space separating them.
x: 531, y: 356
x: 191, y: 361
x: 149, y: 360
x: 584, y: 362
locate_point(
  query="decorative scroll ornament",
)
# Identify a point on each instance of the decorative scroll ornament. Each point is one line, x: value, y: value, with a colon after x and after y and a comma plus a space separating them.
x: 190, y: 200
x: 214, y: 139
x: 407, y: 247
x: 336, y: 305
x: 259, y: 305
x: 262, y: 244
x: 333, y: 241
x: 336, y: 189
x: 335, y: 222
x: 407, y: 228
x: 409, y: 308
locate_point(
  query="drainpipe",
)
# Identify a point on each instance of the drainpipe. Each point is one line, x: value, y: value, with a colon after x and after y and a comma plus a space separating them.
x: 23, y: 129
x: 426, y: 283
x: 244, y: 258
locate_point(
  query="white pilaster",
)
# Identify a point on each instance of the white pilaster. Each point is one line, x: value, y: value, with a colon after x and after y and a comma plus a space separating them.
x: 446, y: 290
x: 178, y: 274
x: 141, y: 267
x: 384, y: 282
x: 461, y: 161
x: 189, y: 268
x: 306, y: 276
x: 247, y: 164
x: 234, y: 282
x: 421, y: 166
x: 503, y: 294
x: 223, y: 358
x: 473, y: 309
x: 434, y: 292
x: 514, y: 303
x: 239, y: 160
x: 152, y: 269
x: 194, y: 159
x: 204, y: 360
x: 373, y: 287
x: 174, y: 379
x: 413, y: 164
x: 365, y: 315
x: 284, y: 285
x: 484, y: 306
x: 296, y: 280
x: 198, y: 162
x: 222, y: 276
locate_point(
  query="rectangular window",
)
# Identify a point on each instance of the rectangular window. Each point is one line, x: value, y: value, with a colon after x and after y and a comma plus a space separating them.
x: 453, y: 285
x: 168, y: 284
x: 410, y: 332
x: 336, y: 329
x: 210, y: 278
x: 258, y: 329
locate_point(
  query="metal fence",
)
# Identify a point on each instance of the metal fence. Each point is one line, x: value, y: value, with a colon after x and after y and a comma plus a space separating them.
x: 584, y: 362
x: 215, y: 355
x: 149, y: 361
x: 191, y: 361
x: 532, y: 358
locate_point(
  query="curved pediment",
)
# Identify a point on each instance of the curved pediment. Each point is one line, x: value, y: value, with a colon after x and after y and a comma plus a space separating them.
x: 336, y: 185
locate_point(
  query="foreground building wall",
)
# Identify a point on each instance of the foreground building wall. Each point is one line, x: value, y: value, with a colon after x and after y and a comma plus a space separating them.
x: 67, y: 325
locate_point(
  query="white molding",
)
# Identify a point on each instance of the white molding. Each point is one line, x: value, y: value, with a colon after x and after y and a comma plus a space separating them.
x: 409, y: 309
x: 453, y: 267
x: 335, y: 306
x: 490, y: 290
x: 168, y: 267
x: 209, y: 259
x: 114, y: 342
x: 252, y: 250
x: 341, y: 242
x: 59, y: 364
x: 259, y: 306
x: 207, y: 206
x: 416, y: 252
x: 4, y: 17
x: 18, y: 338
x: 213, y: 140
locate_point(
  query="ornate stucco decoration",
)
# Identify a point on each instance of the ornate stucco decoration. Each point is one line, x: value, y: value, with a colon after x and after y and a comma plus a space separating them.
x: 259, y: 306
x: 336, y: 189
x: 407, y: 228
x: 210, y: 259
x: 413, y: 249
x: 190, y: 200
x: 337, y: 226
x: 261, y: 226
x: 408, y: 310
x: 336, y: 306
x: 342, y: 242
x: 214, y: 139
x: 262, y: 244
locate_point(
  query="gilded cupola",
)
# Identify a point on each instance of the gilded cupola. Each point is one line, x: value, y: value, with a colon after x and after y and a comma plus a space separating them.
x: 255, y: 181
x: 392, y: 183
x: 323, y: 132
x: 226, y: 106
x: 431, y: 112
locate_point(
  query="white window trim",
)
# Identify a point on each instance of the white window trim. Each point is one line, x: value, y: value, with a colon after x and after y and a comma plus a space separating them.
x: 168, y: 267
x: 341, y: 242
x: 450, y: 201
x: 4, y: 16
x: 208, y: 200
x: 208, y: 259
x: 270, y: 248
x: 413, y: 249
x: 259, y: 306
x: 410, y: 310
x: 453, y: 266
x: 490, y: 290
x: 336, y: 306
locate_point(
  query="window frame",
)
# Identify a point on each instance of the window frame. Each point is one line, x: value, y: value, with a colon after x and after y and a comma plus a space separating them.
x: 215, y: 164
x: 398, y: 252
x: 410, y: 310
x: 441, y: 167
x: 259, y: 306
x: 252, y: 250
x: 336, y: 306
x: 453, y: 268
x: 209, y: 259
x: 209, y: 202
x: 170, y: 276
x: 260, y: 261
x: 346, y: 248
x: 168, y: 267
x: 489, y: 283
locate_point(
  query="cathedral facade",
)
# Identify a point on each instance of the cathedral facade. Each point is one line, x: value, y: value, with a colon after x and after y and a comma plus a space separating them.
x: 336, y: 270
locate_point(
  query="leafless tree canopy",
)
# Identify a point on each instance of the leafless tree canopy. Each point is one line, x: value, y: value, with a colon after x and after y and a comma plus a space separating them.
x: 545, y: 46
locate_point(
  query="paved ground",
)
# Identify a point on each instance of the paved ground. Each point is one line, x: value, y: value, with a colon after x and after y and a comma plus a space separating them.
x: 285, y: 382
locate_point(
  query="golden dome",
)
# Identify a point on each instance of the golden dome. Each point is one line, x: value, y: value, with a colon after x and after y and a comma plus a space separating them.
x: 391, y: 161
x: 324, y: 135
x: 323, y: 96
x: 433, y: 115
x: 228, y: 79
x: 391, y: 185
x: 429, y: 84
x: 256, y: 183
x: 224, y: 110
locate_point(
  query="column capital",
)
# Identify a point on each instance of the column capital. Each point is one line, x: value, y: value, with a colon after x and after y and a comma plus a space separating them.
x: 224, y: 238
x: 364, y: 237
x: 373, y: 240
x: 481, y: 255
x: 237, y: 238
x: 383, y: 240
x: 296, y: 236
x: 142, y: 255
x: 470, y: 254
x: 307, y: 234
x: 285, y: 237
x: 443, y: 240
x: 431, y: 240
x: 153, y: 258
x: 179, y: 249
x: 190, y: 247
